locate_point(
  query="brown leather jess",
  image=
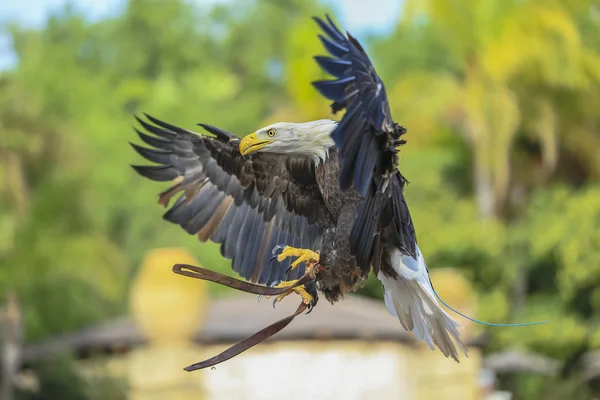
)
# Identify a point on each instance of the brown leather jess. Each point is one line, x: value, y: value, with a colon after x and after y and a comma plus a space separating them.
x: 192, y: 271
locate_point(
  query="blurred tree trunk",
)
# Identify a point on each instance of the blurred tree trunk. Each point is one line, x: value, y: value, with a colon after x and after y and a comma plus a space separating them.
x: 12, y: 334
x: 16, y: 185
x: 484, y: 188
x: 519, y: 289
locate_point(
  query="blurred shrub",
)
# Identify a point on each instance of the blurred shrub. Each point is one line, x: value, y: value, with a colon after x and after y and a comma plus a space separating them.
x: 59, y: 378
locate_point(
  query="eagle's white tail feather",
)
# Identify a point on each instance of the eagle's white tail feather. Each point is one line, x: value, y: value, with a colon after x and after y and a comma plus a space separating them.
x: 410, y: 297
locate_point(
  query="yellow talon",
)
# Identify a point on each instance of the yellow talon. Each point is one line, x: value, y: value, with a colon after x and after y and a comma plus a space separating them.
x: 306, y: 297
x: 309, y: 257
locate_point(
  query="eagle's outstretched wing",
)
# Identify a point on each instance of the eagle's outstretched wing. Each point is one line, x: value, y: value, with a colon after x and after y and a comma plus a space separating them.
x: 248, y: 204
x: 367, y: 136
x: 366, y: 139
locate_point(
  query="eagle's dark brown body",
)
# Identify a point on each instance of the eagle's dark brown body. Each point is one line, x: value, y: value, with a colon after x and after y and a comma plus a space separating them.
x: 342, y: 274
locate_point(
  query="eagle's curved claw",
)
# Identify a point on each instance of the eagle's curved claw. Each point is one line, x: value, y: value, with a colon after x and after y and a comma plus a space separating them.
x: 272, y: 284
x: 276, y: 249
x: 310, y: 307
x: 271, y: 260
x: 287, y: 271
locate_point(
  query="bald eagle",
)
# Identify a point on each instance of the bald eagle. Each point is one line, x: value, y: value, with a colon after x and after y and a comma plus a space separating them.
x: 326, y: 197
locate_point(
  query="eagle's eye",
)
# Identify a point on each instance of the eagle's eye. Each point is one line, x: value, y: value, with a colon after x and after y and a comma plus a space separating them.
x: 271, y: 132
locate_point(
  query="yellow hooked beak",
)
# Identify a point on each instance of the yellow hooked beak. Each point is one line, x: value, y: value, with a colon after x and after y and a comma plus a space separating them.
x: 251, y: 143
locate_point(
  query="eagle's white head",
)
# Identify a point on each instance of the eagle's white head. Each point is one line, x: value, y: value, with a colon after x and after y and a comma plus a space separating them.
x: 308, y: 138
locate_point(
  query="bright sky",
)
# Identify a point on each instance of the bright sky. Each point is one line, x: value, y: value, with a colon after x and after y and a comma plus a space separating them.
x: 356, y: 15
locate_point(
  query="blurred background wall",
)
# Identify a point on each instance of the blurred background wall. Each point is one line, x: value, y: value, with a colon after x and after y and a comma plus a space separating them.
x: 501, y: 99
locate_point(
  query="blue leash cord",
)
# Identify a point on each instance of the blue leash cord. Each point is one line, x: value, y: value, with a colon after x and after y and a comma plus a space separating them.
x: 475, y: 320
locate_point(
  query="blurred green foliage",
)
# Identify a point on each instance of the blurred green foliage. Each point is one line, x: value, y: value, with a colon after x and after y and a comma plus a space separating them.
x: 500, y: 99
x: 59, y: 378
